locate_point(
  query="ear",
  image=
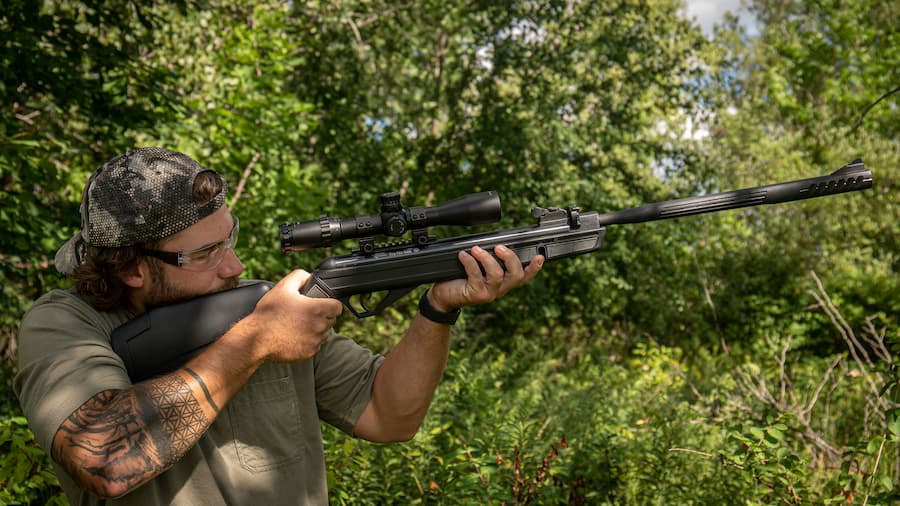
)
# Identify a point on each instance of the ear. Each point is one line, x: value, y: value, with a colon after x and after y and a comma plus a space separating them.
x: 138, y: 276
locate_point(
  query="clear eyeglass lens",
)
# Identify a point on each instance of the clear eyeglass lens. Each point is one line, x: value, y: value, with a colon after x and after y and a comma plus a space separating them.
x: 210, y: 257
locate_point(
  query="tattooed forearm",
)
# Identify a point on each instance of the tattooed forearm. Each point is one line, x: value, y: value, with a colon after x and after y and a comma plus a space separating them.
x: 181, y: 418
x: 202, y: 384
x: 119, y: 439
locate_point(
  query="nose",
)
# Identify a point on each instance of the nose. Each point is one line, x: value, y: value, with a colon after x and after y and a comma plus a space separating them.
x: 231, y: 265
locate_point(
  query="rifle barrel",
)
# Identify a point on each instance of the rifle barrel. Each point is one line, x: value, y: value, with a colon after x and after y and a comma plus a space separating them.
x: 851, y: 177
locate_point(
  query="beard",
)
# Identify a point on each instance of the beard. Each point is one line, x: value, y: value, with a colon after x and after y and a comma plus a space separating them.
x: 162, y: 292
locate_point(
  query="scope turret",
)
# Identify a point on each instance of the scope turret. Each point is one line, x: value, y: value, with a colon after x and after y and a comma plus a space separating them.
x: 394, y: 220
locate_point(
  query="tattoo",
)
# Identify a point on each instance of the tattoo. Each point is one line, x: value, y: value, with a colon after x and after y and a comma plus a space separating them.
x: 182, y: 419
x: 209, y: 398
x: 126, y: 437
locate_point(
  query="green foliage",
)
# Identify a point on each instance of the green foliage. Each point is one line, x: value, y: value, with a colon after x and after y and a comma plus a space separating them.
x: 768, y: 464
x: 746, y: 354
x: 579, y: 427
x: 74, y: 79
x: 26, y: 475
x: 792, y: 103
x: 239, y: 119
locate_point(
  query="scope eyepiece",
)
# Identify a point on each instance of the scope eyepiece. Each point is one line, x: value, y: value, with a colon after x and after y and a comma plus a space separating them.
x: 394, y: 220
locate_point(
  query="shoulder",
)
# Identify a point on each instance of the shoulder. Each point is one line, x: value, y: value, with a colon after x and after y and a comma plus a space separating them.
x: 64, y: 358
x: 59, y: 300
x: 66, y: 309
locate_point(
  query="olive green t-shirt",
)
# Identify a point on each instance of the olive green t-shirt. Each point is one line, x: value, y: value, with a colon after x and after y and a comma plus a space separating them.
x: 265, y: 447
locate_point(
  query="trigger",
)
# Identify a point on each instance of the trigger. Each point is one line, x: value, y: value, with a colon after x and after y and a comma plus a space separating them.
x: 359, y: 307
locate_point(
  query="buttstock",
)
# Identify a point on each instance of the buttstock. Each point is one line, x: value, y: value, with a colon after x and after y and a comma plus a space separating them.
x: 165, y: 338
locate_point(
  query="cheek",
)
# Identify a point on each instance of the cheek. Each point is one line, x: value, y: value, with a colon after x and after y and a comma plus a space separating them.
x: 192, y: 283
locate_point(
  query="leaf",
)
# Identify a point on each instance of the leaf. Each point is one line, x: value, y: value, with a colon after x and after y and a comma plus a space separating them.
x: 892, y: 418
x: 873, y: 444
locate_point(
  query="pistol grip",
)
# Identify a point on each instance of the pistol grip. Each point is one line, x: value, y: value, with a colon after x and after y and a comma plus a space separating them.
x: 316, y: 289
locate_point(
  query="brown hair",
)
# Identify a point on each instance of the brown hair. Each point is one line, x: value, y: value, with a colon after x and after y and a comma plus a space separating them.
x: 98, y: 277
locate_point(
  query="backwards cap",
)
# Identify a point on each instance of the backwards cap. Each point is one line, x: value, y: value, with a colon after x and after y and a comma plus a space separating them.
x: 140, y: 197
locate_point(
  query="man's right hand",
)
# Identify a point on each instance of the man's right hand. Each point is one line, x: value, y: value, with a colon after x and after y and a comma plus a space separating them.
x: 289, y: 326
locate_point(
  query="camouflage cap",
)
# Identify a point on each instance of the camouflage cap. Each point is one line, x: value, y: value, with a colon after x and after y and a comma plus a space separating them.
x: 140, y: 197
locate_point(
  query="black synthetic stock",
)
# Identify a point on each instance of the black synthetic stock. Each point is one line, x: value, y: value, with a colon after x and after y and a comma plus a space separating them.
x: 165, y: 338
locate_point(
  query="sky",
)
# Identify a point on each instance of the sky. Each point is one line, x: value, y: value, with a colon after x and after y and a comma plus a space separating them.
x: 706, y: 13
x: 709, y: 12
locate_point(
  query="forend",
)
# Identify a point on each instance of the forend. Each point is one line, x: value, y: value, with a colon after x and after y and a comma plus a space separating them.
x: 394, y: 220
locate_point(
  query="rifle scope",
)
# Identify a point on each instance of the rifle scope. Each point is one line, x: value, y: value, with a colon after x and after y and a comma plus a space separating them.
x: 394, y: 220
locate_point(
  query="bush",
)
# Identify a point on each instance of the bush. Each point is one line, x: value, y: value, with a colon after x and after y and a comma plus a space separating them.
x: 579, y: 426
x: 26, y: 474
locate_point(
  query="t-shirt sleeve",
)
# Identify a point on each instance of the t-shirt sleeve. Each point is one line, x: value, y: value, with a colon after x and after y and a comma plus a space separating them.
x: 344, y: 374
x: 64, y: 359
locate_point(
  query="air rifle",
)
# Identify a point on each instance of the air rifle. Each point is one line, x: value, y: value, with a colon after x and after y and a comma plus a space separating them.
x: 163, y: 338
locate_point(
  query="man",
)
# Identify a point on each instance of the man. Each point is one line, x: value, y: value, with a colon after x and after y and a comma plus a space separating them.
x: 240, y: 421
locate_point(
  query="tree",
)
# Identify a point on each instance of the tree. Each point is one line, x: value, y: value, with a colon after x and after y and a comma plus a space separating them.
x: 75, y: 78
x: 794, y: 103
x: 549, y: 103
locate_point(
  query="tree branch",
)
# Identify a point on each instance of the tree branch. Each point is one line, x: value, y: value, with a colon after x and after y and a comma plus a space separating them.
x: 873, y: 104
x: 240, y: 187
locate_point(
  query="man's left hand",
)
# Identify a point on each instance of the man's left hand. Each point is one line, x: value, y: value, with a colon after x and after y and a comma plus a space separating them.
x: 481, y: 287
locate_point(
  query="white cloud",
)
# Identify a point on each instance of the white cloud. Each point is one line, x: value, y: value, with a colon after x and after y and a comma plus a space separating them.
x: 709, y: 12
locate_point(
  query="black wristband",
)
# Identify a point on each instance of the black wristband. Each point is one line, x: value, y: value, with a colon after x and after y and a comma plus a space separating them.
x: 433, y: 314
